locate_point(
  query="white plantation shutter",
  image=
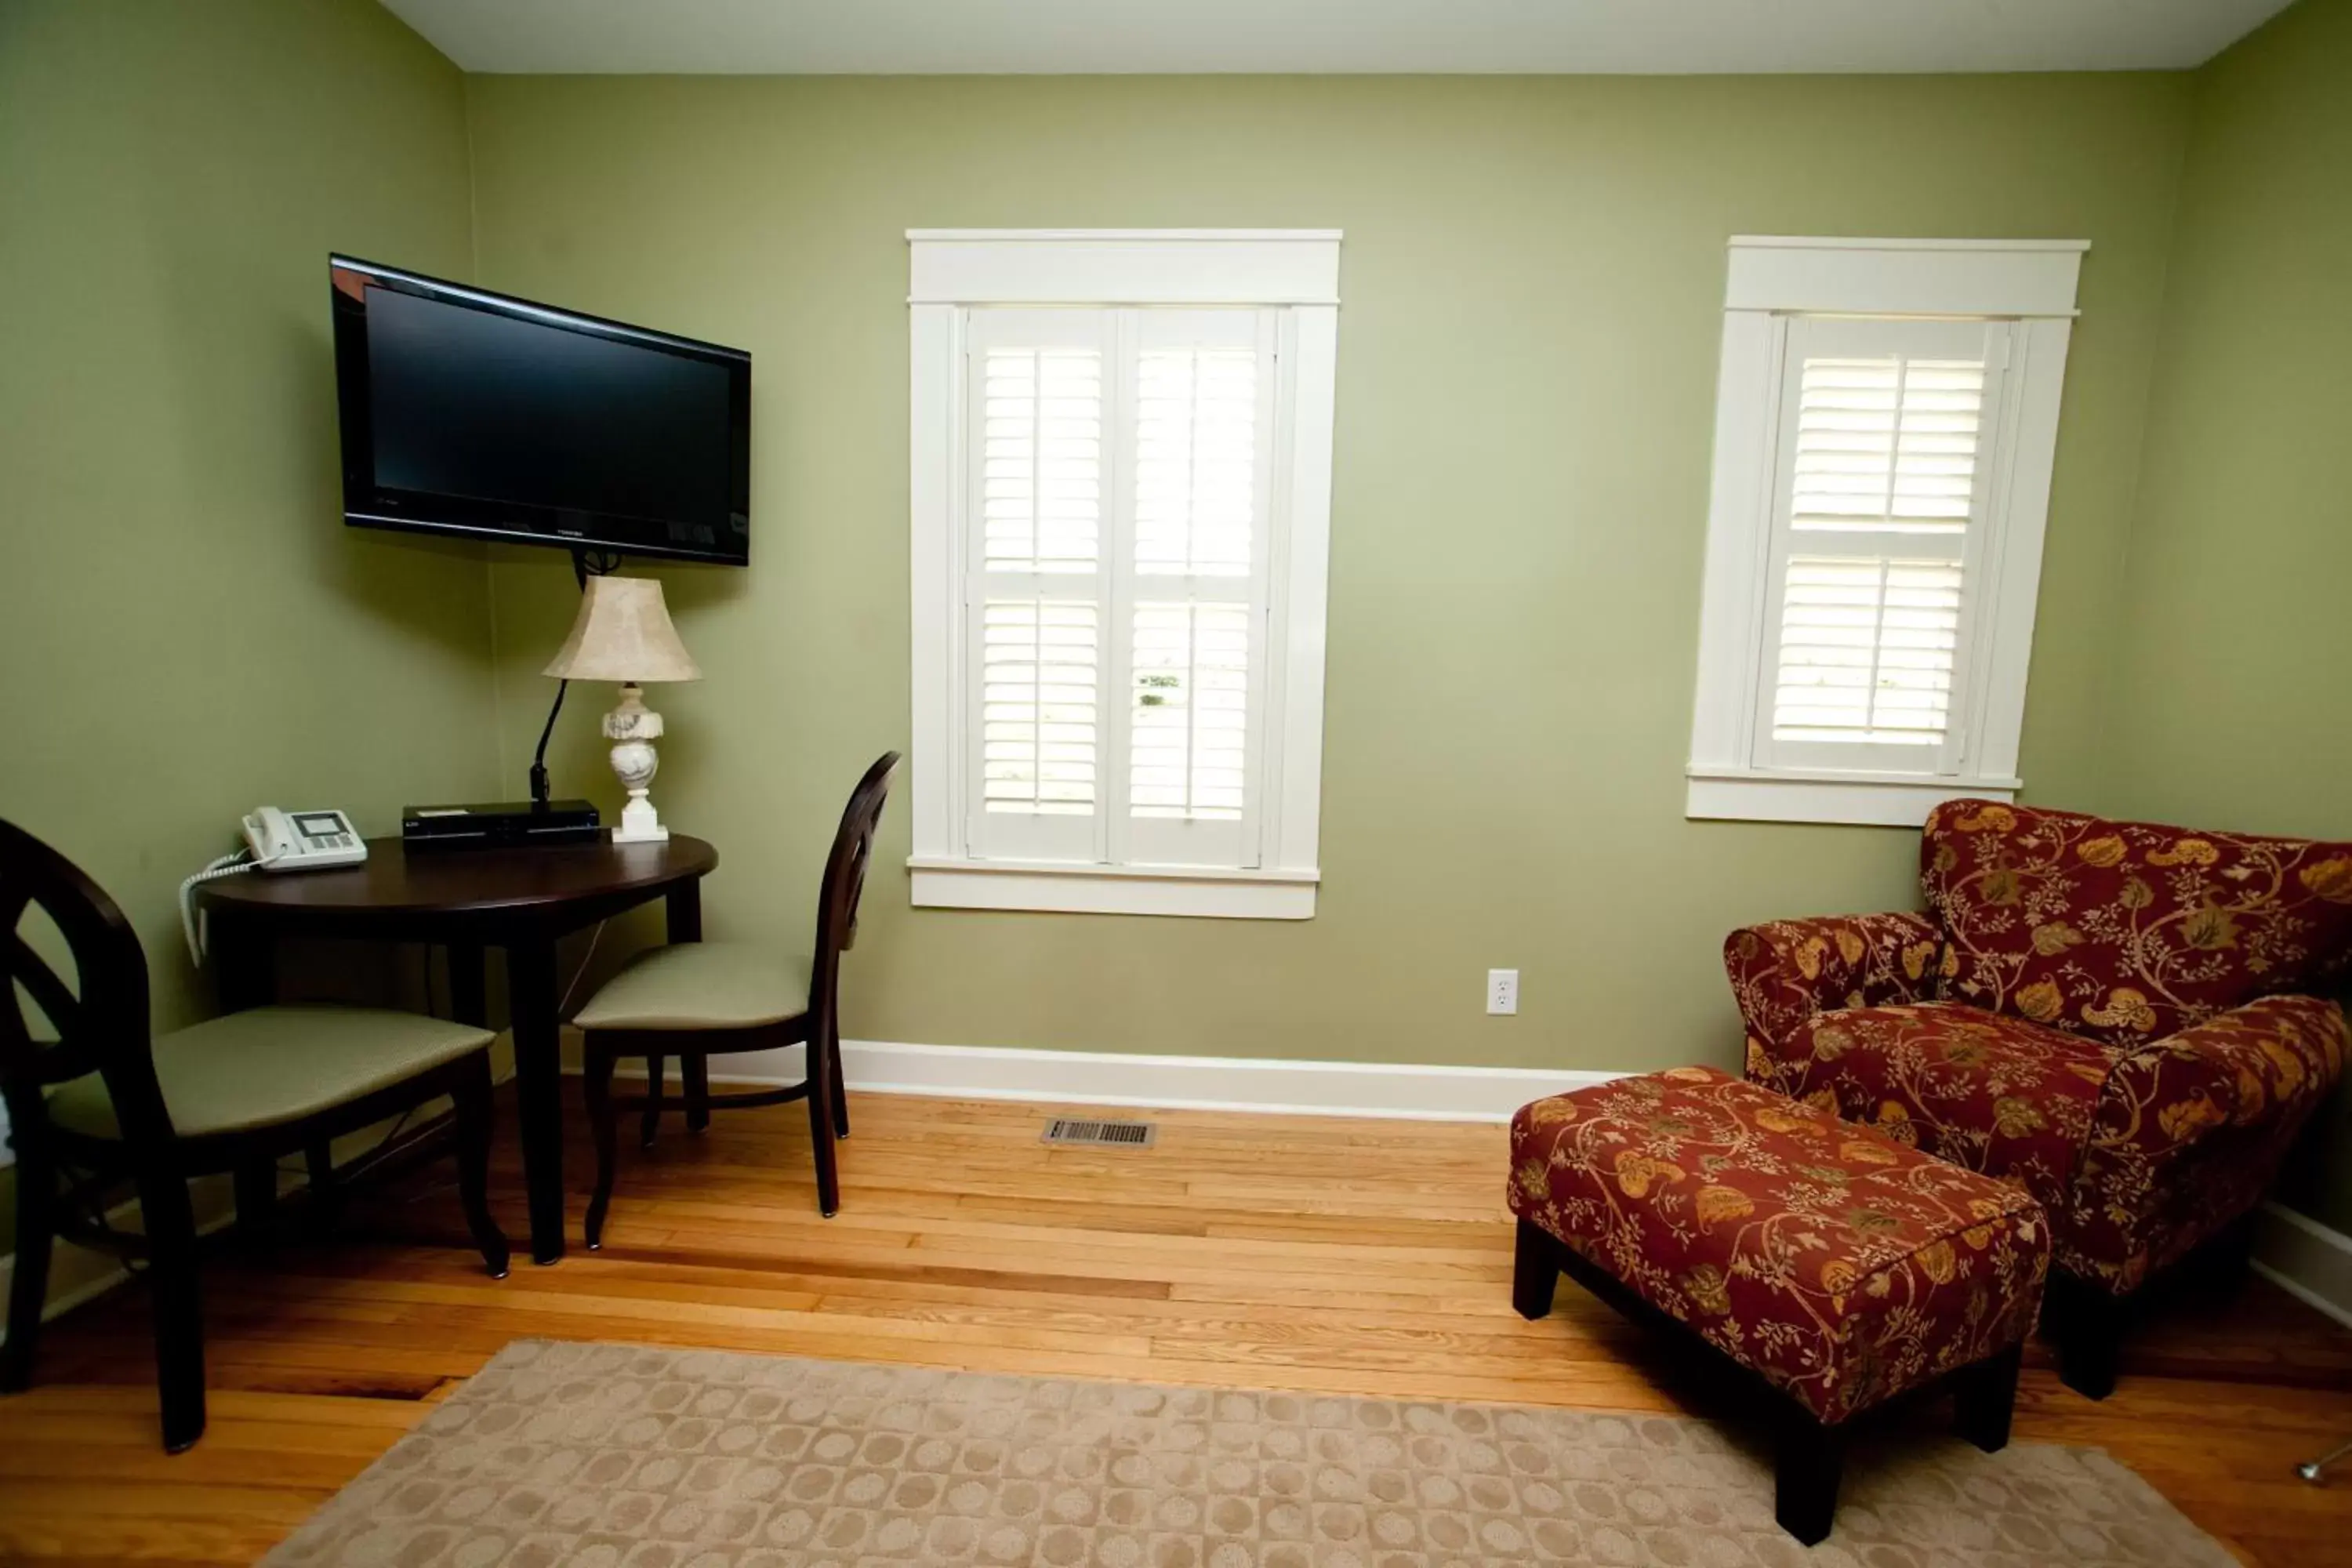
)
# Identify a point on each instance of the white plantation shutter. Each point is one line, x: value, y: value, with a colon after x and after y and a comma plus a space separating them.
x: 1193, y: 599
x: 1877, y: 537
x: 1037, y: 588
x: 1118, y: 483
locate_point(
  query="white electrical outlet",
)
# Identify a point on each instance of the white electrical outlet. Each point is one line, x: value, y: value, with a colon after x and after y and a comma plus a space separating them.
x: 1502, y: 991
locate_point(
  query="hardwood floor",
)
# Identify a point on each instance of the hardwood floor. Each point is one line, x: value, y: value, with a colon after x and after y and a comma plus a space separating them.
x: 1306, y: 1253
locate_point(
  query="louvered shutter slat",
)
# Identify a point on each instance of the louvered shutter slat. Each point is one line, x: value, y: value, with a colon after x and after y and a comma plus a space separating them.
x: 1188, y: 732
x: 1038, y: 675
x: 1040, y: 496
x: 1196, y: 451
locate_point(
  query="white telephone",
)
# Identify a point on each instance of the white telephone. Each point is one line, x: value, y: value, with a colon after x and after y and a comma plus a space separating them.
x: 302, y: 840
x: 275, y: 841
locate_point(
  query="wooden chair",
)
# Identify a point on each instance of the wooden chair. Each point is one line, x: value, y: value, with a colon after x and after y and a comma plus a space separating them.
x: 701, y: 999
x: 105, y: 1103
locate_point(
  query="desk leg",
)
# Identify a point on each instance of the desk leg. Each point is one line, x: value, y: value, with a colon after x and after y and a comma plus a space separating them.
x: 468, y: 991
x: 684, y: 912
x: 538, y: 1091
x: 244, y: 963
x: 683, y: 919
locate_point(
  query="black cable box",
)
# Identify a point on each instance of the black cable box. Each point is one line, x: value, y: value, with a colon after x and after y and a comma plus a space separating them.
x: 501, y: 824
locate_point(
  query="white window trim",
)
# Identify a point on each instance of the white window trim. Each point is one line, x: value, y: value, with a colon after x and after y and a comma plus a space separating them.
x: 952, y: 270
x: 1771, y: 277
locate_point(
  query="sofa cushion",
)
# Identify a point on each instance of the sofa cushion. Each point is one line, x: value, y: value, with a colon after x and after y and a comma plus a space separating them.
x: 2012, y: 1099
x: 2126, y: 931
x: 1840, y: 1265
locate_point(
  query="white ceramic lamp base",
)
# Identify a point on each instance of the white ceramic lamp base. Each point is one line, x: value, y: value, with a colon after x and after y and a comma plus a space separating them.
x: 633, y: 727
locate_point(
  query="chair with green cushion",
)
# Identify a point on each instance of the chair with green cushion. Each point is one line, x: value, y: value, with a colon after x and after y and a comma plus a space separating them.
x: 697, y: 1000
x: 97, y: 1102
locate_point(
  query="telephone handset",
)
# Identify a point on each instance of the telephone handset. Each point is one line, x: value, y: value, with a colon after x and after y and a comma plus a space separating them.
x: 302, y: 840
x: 275, y: 841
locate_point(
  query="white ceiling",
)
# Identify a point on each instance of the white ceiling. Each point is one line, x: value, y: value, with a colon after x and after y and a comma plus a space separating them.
x: 1012, y: 36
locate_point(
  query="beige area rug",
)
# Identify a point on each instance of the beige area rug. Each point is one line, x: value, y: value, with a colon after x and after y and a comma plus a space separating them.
x: 615, y: 1454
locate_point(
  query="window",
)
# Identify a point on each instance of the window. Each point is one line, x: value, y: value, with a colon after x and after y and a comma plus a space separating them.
x: 1121, y: 450
x: 1884, y: 425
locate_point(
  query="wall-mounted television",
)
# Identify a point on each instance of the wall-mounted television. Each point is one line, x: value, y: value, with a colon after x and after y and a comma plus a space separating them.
x: 470, y: 413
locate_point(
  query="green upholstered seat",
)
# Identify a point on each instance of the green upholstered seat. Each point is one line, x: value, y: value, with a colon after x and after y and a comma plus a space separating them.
x: 701, y: 986
x: 272, y: 1065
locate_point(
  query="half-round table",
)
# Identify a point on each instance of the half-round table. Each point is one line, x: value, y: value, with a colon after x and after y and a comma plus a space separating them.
x: 469, y: 900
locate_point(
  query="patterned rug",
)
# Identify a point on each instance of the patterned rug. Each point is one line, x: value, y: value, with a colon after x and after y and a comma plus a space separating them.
x: 618, y: 1456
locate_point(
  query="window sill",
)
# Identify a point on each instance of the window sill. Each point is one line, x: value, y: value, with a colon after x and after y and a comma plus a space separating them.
x: 1868, y: 800
x: 945, y: 884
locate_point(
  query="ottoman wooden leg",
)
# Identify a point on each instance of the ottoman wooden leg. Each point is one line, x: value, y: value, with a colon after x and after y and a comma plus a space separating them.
x: 1810, y: 1462
x: 1986, y: 1394
x: 1535, y: 1274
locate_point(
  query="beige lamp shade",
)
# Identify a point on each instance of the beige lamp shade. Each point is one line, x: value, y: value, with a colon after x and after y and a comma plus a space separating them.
x: 624, y: 635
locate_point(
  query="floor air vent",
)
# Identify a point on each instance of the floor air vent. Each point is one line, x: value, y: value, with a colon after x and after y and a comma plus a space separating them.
x: 1101, y: 1134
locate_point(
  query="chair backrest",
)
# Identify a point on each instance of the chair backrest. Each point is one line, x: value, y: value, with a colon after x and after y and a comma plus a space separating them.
x: 844, y: 881
x: 98, y: 1017
x: 2128, y: 931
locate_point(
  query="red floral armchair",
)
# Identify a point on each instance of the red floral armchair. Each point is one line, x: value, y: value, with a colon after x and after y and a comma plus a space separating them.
x: 2121, y: 1018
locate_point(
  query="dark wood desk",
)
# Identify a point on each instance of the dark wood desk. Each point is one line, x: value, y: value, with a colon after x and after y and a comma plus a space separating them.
x: 469, y: 900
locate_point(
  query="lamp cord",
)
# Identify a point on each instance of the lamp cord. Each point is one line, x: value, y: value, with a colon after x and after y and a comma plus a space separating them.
x: 585, y: 563
x: 539, y: 758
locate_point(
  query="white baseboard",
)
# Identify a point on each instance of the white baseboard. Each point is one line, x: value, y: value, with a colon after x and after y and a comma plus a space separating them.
x: 1408, y: 1092
x: 2306, y: 1259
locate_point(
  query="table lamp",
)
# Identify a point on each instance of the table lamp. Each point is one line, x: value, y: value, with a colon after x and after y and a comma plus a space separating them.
x: 624, y: 634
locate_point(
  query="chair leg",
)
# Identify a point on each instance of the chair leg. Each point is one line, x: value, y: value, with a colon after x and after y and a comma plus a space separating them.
x: 475, y: 1114
x: 2088, y: 1325
x: 171, y: 1225
x: 326, y: 1189
x: 652, y: 1122
x: 840, y: 1083
x: 257, y: 1202
x: 693, y: 1072
x: 1534, y: 1271
x: 596, y: 1078
x: 28, y: 1286
x: 821, y: 1138
x: 1986, y: 1397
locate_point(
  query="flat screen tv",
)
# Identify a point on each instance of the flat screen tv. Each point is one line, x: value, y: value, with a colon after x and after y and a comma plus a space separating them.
x: 470, y: 413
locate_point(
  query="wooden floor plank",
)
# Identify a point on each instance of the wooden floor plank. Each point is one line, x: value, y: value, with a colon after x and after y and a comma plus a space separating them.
x: 1306, y: 1253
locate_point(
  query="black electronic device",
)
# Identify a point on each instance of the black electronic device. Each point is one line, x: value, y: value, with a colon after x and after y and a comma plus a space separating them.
x: 473, y: 413
x: 499, y: 825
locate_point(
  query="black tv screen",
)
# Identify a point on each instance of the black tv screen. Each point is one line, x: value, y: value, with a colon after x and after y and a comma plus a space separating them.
x: 467, y: 412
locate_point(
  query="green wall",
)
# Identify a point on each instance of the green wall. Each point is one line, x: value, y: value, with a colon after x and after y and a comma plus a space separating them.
x: 2230, y: 699
x: 1532, y: 285
x: 1532, y: 278
x: 187, y: 629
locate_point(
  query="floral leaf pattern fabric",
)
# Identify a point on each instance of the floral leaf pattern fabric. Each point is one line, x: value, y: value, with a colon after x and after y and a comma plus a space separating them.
x: 2127, y: 931
x: 1786, y: 971
x: 2102, y: 1021
x: 2189, y: 1133
x: 1841, y: 1264
x: 2001, y: 1096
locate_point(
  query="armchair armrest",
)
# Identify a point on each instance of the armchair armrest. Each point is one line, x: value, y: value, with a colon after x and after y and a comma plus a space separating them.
x: 2191, y: 1131
x: 1784, y: 972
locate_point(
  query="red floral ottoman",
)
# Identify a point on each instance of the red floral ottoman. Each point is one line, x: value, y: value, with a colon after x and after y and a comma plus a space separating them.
x: 1835, y: 1267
